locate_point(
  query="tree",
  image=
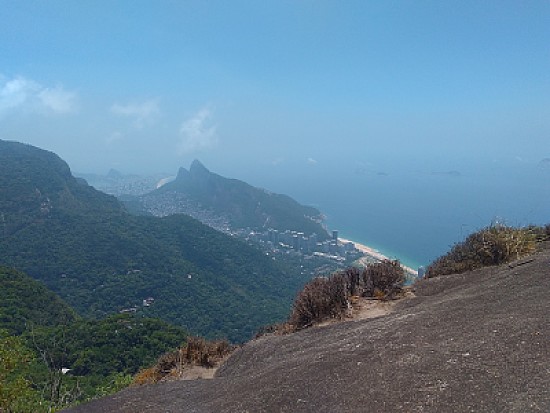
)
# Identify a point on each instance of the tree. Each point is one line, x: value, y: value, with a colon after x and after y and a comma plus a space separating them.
x: 16, y: 393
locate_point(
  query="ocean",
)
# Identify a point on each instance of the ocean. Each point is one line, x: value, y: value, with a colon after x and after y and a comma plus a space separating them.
x: 418, y: 214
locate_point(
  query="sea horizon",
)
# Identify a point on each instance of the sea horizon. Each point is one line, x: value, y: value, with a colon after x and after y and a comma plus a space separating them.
x: 417, y: 216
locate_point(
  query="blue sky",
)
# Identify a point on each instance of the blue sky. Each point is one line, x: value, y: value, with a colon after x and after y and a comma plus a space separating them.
x: 248, y: 86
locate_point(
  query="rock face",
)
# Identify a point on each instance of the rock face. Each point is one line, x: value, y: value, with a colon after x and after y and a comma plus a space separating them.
x: 475, y: 342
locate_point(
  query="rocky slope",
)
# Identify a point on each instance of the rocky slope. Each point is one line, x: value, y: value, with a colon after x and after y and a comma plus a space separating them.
x: 478, y: 341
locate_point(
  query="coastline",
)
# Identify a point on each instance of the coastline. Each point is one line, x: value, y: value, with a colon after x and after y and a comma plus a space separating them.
x: 376, y: 255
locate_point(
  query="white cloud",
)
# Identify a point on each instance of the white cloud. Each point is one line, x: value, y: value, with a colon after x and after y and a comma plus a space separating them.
x: 21, y: 93
x: 198, y: 132
x: 143, y: 113
x: 58, y: 99
x: 311, y: 161
x: 16, y: 92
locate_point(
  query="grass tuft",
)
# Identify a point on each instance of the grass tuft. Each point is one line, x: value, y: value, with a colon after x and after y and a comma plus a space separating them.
x: 324, y: 298
x: 494, y: 245
x: 196, y: 352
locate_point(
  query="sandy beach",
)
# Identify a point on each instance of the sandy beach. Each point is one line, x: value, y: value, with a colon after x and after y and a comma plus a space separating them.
x: 376, y: 255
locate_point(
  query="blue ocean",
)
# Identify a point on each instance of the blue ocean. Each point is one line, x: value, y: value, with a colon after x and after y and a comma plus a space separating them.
x: 417, y: 214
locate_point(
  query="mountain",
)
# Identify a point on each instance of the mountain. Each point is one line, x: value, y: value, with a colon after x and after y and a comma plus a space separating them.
x: 86, y: 247
x: 477, y: 341
x: 240, y: 204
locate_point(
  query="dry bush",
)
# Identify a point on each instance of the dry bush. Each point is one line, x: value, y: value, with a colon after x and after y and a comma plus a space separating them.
x: 322, y: 298
x: 494, y: 245
x: 196, y: 352
x: 541, y: 233
x: 201, y: 352
x: 383, y: 279
x: 353, y: 281
x: 277, y: 329
x: 147, y: 376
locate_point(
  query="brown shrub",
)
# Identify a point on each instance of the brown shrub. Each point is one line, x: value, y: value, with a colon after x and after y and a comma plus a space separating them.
x: 493, y: 245
x: 541, y: 233
x: 201, y: 352
x: 196, y: 352
x: 277, y: 329
x: 322, y: 298
x: 353, y: 281
x: 147, y: 376
x: 383, y: 279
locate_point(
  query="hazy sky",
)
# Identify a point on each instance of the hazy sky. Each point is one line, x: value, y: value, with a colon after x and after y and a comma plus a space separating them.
x: 150, y: 85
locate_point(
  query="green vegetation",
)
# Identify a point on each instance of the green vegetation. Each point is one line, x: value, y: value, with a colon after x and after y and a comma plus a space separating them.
x: 16, y: 392
x: 244, y: 205
x: 117, y: 344
x: 494, y: 245
x: 49, y: 368
x: 40, y: 335
x: 25, y: 302
x: 100, y: 259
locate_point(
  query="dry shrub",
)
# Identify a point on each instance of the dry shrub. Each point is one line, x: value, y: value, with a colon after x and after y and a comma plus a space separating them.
x: 383, y: 279
x: 201, y: 352
x: 353, y: 281
x: 541, y: 233
x: 324, y: 298
x: 494, y: 245
x: 196, y: 352
x: 147, y: 376
x: 277, y: 329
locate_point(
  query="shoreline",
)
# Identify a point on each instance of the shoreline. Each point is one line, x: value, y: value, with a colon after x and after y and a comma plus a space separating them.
x: 376, y: 255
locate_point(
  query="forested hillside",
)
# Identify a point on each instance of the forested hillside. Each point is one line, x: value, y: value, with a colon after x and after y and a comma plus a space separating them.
x: 100, y: 259
x: 25, y: 302
x: 52, y: 358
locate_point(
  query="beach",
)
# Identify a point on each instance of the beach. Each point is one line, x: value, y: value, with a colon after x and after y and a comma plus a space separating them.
x: 375, y: 255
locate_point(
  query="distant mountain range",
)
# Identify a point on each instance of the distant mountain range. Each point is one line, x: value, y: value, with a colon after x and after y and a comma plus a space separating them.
x: 230, y: 203
x: 86, y: 247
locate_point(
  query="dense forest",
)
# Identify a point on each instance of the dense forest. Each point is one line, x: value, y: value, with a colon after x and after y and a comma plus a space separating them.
x: 51, y: 357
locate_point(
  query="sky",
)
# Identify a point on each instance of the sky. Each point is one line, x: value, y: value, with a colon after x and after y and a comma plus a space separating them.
x: 255, y: 88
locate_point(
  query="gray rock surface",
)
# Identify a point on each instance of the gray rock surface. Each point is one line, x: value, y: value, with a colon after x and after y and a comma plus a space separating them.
x: 475, y: 342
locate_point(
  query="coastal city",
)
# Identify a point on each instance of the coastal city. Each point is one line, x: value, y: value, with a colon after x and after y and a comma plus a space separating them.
x: 274, y: 242
x: 298, y: 243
